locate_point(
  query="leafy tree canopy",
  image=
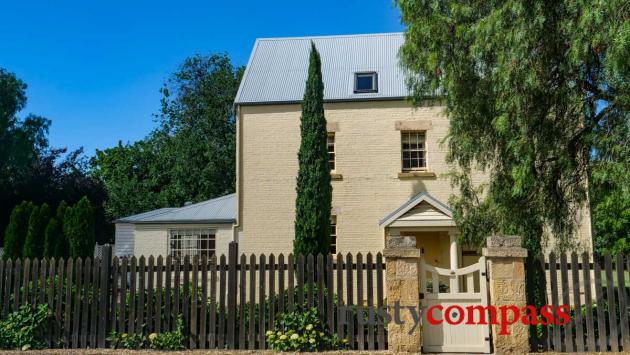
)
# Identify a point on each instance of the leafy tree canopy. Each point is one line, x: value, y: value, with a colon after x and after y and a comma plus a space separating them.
x: 530, y: 87
x: 190, y: 156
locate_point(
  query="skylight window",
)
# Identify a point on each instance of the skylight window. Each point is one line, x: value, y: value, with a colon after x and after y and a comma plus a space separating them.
x: 365, y: 82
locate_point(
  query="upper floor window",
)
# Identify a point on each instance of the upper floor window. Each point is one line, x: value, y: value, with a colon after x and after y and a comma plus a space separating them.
x: 365, y: 82
x: 333, y: 234
x: 192, y: 242
x: 413, y: 151
x: 331, y: 151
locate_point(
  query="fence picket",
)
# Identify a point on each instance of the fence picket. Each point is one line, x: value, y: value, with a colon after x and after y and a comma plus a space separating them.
x: 350, y: 302
x: 203, y: 312
x: 77, y: 303
x: 141, y: 303
x: 16, y: 284
x: 34, y: 283
x: 26, y: 278
x: 185, y: 307
x: 221, y: 330
x: 151, y: 295
x: 261, y: 303
x: 340, y: 302
x: 281, y: 267
x: 623, y: 303
x: 252, y: 302
x: 122, y: 276
x: 158, y: 295
x: 2, y: 283
x: 104, y: 285
x: 610, y: 299
x: 568, y: 331
x: 95, y: 303
x: 231, y: 295
x: 370, y: 300
x: 557, y: 345
x: 194, y: 330
x: 50, y: 289
x: 177, y: 264
x: 242, y: 301
x: 168, y: 299
x: 212, y: 323
x: 330, y: 316
x: 43, y: 271
x: 291, y: 279
x: 58, y: 325
x: 68, y: 309
x: 131, y: 325
x: 601, y: 323
x: 320, y: 289
x: 359, y: 283
x: 271, y: 296
x: 85, y: 307
x: 300, y: 282
x: 310, y: 272
x: 579, y: 330
x: 7, y: 287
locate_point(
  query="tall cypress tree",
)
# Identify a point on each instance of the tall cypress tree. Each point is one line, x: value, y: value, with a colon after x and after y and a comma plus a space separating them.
x: 35, y: 239
x: 79, y: 228
x: 56, y: 238
x: 16, y: 231
x: 314, y: 192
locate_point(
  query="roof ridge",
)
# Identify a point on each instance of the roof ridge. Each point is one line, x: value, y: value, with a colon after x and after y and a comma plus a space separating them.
x: 330, y: 36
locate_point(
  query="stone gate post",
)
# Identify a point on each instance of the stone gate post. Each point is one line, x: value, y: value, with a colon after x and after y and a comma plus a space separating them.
x: 506, y: 272
x: 403, y: 291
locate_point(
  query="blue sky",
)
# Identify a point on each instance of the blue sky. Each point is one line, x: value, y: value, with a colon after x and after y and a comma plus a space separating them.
x: 94, y: 67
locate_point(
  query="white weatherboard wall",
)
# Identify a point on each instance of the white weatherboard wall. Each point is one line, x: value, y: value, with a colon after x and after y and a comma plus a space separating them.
x: 123, y: 245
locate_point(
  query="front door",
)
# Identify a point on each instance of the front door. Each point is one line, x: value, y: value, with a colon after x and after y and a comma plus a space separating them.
x: 459, y: 288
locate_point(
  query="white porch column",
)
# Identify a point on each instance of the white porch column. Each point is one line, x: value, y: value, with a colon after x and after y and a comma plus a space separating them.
x: 454, y: 284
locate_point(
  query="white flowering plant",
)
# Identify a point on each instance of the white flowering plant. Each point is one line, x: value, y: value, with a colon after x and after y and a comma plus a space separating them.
x: 302, y: 331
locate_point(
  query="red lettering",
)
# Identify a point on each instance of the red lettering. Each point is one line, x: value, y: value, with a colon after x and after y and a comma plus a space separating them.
x: 430, y: 318
x: 507, y: 321
x: 562, y: 314
x: 459, y: 313
x: 546, y: 315
x: 531, y: 316
x: 481, y: 319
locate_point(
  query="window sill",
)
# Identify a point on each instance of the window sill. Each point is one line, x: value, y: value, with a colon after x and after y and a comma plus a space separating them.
x: 416, y: 174
x: 335, y: 176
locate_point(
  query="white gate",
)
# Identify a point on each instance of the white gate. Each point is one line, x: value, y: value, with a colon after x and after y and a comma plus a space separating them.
x: 461, y: 287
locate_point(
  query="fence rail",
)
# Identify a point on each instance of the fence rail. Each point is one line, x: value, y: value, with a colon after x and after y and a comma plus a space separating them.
x: 225, y: 302
x: 597, y: 290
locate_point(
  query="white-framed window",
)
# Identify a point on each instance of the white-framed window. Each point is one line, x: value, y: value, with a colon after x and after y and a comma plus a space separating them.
x: 330, y: 143
x: 333, y: 235
x: 191, y: 242
x: 413, y: 150
x: 365, y: 82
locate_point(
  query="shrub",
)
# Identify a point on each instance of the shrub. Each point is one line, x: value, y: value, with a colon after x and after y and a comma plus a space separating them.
x: 79, y: 228
x: 126, y: 341
x: 20, y: 329
x: 16, y: 231
x: 302, y: 331
x: 35, y: 239
x: 169, y: 340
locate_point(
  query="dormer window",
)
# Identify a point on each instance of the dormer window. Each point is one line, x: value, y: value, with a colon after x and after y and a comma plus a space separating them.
x: 365, y: 82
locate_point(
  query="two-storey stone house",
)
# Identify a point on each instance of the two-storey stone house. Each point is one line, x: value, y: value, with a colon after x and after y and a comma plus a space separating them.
x: 387, y: 162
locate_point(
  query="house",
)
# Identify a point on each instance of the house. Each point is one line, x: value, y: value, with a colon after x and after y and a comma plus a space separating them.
x: 202, y: 228
x: 387, y: 164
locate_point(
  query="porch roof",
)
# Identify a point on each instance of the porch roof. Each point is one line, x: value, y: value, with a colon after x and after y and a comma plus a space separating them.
x: 419, y: 211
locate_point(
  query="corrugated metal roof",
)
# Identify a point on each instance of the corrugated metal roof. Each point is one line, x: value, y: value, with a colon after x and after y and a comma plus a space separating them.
x: 218, y: 210
x: 278, y: 67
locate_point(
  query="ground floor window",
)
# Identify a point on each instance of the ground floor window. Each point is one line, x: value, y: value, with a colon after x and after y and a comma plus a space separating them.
x: 333, y: 234
x: 192, y: 242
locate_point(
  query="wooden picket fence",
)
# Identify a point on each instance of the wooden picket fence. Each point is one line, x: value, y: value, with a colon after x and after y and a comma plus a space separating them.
x: 225, y: 302
x: 597, y: 289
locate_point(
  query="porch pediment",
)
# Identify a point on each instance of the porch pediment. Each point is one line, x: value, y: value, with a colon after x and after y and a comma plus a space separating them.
x: 422, y: 210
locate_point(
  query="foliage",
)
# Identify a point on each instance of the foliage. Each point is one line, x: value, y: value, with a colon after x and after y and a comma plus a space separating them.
x: 314, y: 192
x: 190, y: 156
x: 529, y: 88
x: 35, y: 238
x: 20, y: 329
x: 126, y: 341
x: 57, y: 238
x: 169, y: 340
x: 31, y: 170
x: 79, y: 229
x: 16, y: 231
x: 302, y: 331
